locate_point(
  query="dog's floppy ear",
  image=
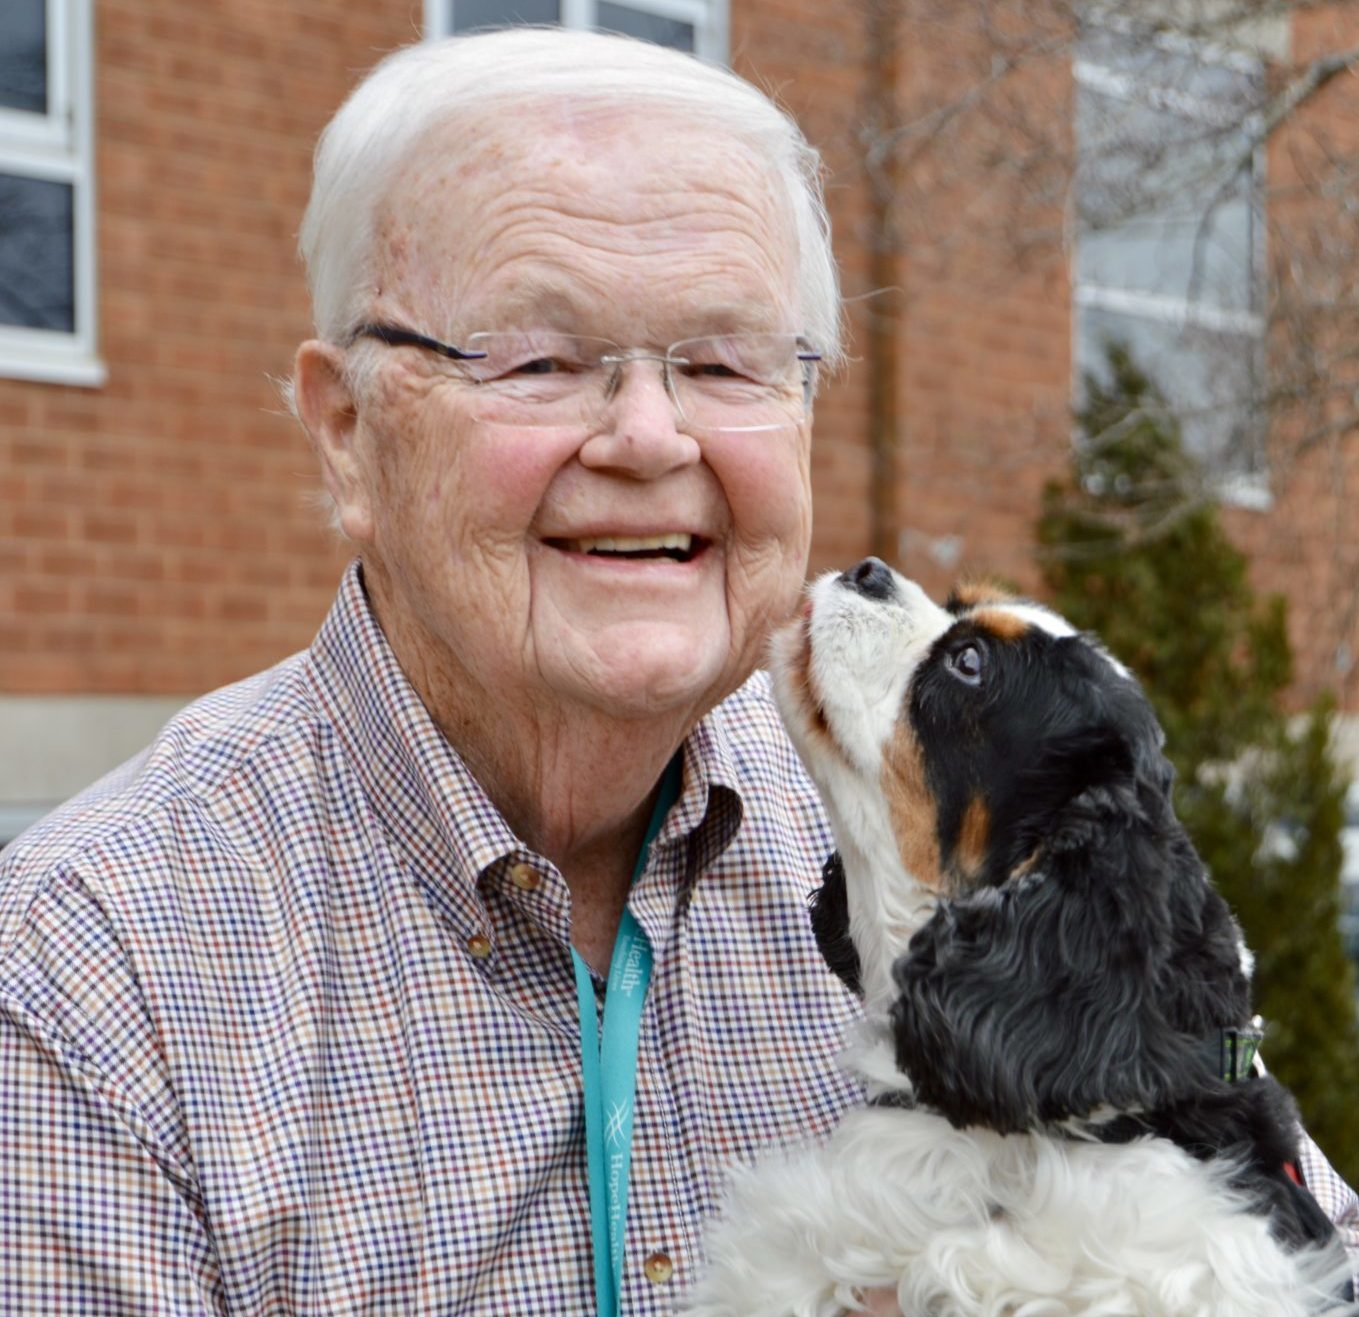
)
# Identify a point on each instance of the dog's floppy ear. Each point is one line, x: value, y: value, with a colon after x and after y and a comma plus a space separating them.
x: 1041, y: 999
x: 1062, y: 799
x: 830, y: 924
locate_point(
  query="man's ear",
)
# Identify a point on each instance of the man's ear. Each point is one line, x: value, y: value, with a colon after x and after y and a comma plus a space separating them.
x: 327, y: 410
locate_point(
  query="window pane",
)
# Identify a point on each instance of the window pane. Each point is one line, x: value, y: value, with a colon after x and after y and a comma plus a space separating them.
x: 23, y: 55
x: 650, y: 27
x: 1225, y: 87
x: 469, y: 15
x: 1165, y: 206
x: 1204, y: 260
x: 1207, y: 377
x: 37, y: 253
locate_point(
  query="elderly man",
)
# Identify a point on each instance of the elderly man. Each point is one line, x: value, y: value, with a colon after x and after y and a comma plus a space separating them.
x: 444, y: 966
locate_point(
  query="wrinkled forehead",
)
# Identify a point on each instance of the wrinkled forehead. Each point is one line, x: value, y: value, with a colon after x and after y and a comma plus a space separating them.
x: 563, y: 192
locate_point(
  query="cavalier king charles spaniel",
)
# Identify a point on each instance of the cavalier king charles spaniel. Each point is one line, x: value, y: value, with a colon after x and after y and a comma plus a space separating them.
x: 1062, y: 1114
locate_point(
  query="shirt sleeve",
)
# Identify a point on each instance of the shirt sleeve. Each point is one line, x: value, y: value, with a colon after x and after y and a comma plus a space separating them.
x: 96, y: 1219
x: 1335, y: 1197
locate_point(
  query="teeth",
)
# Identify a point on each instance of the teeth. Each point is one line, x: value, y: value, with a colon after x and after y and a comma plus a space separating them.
x: 635, y: 543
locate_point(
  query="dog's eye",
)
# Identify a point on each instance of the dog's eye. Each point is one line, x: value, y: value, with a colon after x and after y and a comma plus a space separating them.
x: 967, y: 664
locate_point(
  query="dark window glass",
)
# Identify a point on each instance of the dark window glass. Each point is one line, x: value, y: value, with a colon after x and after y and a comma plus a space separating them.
x: 468, y: 15
x: 23, y: 55
x: 650, y: 27
x: 37, y: 253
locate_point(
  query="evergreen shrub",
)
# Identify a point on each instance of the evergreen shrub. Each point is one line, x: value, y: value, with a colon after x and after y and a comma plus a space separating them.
x: 1133, y: 549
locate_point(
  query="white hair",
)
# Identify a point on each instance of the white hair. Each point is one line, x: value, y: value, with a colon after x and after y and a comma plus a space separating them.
x: 435, y: 84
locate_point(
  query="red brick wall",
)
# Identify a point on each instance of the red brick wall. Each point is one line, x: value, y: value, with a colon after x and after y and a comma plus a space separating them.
x: 983, y: 351
x: 986, y: 320
x: 156, y: 535
x: 1307, y: 546
x: 810, y: 57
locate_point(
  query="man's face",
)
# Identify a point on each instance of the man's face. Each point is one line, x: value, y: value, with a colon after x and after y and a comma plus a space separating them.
x: 640, y: 229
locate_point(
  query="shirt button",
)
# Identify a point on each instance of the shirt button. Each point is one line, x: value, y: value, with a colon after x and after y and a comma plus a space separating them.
x: 658, y: 1268
x: 479, y: 945
x: 524, y: 876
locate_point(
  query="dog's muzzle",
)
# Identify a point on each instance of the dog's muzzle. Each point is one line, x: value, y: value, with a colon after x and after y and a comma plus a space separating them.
x: 871, y: 578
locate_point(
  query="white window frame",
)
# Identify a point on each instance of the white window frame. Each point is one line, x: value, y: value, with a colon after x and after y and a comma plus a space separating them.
x: 710, y: 19
x: 1249, y: 490
x: 59, y: 146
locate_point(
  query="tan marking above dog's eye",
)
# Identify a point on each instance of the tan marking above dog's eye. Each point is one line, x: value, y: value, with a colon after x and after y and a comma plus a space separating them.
x: 1002, y: 625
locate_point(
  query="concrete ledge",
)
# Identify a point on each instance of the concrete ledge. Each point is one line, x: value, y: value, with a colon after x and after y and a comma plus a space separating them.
x: 52, y: 746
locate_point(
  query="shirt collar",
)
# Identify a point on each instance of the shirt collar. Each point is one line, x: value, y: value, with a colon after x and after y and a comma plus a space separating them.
x: 709, y: 808
x: 418, y: 785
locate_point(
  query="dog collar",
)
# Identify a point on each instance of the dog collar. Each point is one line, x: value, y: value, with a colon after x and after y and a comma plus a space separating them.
x: 1231, y: 1052
x: 898, y: 1098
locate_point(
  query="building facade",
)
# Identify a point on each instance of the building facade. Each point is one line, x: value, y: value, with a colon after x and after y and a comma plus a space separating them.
x: 159, y: 531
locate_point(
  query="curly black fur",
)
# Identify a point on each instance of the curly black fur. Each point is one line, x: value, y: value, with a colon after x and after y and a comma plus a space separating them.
x: 830, y: 924
x: 1078, y: 970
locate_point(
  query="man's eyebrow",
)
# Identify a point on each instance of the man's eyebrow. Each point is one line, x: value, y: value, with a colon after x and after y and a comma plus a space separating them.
x: 546, y: 303
x: 736, y: 318
x: 537, y: 302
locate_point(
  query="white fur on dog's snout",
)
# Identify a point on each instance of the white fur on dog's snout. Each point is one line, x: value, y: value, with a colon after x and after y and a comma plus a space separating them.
x: 859, y: 654
x: 864, y: 652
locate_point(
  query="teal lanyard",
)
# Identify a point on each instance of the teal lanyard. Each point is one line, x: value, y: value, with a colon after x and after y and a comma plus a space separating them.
x: 609, y: 1063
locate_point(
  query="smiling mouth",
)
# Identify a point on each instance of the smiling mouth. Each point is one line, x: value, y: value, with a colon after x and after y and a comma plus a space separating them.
x: 674, y: 546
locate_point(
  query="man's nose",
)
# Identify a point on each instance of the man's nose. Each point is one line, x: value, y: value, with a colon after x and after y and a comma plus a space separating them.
x: 639, y: 430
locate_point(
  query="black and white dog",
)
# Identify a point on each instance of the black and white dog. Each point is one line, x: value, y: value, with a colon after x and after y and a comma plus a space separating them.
x: 1062, y: 1118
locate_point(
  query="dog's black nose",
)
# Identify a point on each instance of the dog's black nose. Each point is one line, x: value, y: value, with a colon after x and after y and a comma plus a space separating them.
x: 872, y: 578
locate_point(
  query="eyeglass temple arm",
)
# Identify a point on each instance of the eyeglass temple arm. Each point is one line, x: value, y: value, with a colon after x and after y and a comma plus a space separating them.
x: 408, y: 338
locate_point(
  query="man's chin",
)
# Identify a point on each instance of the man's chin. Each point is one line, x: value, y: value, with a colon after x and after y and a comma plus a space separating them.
x: 641, y: 672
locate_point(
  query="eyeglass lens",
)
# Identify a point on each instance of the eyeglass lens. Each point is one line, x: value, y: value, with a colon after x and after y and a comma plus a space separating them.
x: 722, y: 382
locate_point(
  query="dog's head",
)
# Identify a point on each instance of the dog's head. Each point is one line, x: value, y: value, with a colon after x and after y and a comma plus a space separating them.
x: 1002, y: 805
x: 946, y: 740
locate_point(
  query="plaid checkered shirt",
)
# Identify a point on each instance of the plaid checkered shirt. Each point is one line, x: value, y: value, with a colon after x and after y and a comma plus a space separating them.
x: 288, y: 1018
